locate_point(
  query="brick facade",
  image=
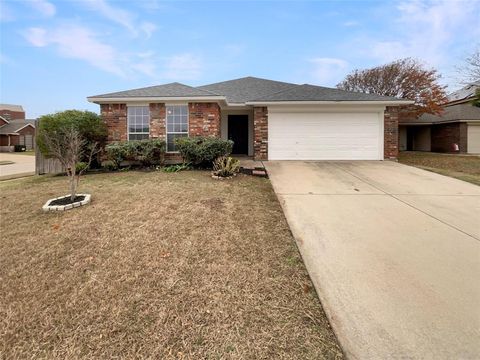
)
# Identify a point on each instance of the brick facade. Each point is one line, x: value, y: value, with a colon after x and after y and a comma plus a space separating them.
x: 390, y: 139
x: 204, y: 119
x: 10, y: 115
x: 443, y: 136
x: 115, y: 117
x: 17, y: 139
x: 157, y: 121
x: 260, y: 133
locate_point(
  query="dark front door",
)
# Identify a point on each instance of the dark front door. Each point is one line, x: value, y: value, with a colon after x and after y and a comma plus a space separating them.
x: 238, y: 133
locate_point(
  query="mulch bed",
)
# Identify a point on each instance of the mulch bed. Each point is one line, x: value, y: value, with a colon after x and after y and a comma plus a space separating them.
x: 66, y: 200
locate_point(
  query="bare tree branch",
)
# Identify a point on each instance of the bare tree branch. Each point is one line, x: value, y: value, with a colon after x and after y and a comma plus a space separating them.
x: 469, y: 71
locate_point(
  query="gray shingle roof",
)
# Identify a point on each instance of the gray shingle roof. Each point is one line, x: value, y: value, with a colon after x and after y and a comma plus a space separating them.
x: 308, y: 92
x: 465, y: 92
x: 14, y: 125
x: 451, y: 113
x: 246, y: 89
x: 167, y: 90
x: 250, y: 89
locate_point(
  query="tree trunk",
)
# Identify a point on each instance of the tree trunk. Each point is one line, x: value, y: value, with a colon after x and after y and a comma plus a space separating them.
x: 73, y: 185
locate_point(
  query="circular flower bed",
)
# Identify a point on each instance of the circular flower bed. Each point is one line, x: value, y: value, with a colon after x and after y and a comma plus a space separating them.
x: 65, y: 203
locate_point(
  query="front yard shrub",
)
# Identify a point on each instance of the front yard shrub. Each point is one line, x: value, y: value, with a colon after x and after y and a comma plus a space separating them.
x: 146, y: 152
x: 87, y: 125
x: 226, y: 166
x: 202, y: 151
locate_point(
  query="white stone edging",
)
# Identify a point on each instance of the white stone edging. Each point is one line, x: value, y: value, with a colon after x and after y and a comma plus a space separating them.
x: 85, y: 201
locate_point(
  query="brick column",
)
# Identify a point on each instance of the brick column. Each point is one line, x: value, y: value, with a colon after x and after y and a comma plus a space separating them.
x: 115, y: 117
x: 260, y: 133
x: 157, y: 121
x: 390, y: 140
x: 204, y: 119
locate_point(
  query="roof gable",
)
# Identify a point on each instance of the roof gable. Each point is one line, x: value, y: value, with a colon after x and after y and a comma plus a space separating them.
x: 246, y: 89
x: 167, y: 90
x: 15, y: 125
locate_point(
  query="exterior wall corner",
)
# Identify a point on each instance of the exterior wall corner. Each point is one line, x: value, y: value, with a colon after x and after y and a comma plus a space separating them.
x: 390, y: 138
x: 260, y: 133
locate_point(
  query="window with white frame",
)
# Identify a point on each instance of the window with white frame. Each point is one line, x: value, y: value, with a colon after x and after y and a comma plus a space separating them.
x: 177, y: 124
x: 138, y: 122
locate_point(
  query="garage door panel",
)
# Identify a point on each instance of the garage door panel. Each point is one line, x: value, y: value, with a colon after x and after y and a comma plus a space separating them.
x: 324, y: 136
x: 473, y: 139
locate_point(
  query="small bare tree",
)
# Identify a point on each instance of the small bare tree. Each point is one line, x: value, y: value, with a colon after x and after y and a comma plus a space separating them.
x: 67, y: 146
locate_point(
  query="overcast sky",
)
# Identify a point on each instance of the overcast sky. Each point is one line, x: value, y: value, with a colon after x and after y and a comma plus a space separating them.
x: 56, y: 53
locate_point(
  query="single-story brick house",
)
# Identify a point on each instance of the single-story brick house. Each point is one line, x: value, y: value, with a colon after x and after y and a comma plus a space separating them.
x: 16, y: 132
x: 457, y: 129
x: 269, y: 120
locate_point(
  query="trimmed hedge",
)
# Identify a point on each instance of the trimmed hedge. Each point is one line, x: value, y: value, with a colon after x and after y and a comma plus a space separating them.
x: 201, y: 151
x: 148, y: 152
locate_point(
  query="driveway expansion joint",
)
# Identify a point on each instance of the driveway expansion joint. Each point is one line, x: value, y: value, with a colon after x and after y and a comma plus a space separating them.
x: 406, y: 203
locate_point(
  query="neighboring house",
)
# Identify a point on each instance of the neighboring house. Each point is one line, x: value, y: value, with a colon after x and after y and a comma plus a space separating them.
x: 9, y: 111
x: 266, y: 119
x: 457, y: 129
x: 16, y: 132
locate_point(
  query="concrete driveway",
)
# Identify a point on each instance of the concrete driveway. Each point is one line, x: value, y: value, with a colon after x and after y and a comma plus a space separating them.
x: 23, y: 165
x: 393, y: 251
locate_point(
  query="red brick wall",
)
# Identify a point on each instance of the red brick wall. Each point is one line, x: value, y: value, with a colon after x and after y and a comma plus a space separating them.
x: 15, y: 139
x: 260, y: 133
x: 390, y: 140
x: 445, y: 135
x: 9, y: 115
x: 204, y: 119
x: 115, y: 117
x: 2, y: 122
x: 157, y: 121
x: 27, y: 131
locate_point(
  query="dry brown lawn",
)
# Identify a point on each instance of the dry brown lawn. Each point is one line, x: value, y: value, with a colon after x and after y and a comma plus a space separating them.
x: 463, y: 167
x: 171, y: 266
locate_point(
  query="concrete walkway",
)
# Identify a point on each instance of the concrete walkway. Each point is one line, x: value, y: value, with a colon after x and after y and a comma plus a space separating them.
x: 23, y: 165
x: 394, y: 253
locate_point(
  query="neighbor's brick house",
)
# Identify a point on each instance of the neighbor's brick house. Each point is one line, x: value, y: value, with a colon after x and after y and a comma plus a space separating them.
x: 15, y: 129
x: 304, y: 121
x: 455, y: 130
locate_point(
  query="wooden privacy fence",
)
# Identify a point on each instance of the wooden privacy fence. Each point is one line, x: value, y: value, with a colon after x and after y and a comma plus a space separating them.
x: 44, y: 165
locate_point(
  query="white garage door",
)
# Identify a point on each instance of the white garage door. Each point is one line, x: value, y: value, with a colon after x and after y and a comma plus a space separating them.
x: 325, y: 136
x: 473, y: 139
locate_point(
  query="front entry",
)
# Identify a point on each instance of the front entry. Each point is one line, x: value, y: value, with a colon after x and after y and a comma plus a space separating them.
x: 238, y: 133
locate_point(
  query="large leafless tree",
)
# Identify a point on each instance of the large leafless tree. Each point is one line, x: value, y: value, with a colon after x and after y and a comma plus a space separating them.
x: 406, y: 79
x: 469, y: 71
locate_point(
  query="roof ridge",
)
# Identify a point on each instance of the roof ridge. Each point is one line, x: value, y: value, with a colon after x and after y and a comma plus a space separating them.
x: 247, y: 77
x: 208, y: 91
x: 281, y: 91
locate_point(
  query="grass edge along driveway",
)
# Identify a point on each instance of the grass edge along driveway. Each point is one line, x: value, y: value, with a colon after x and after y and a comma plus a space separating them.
x: 158, y: 265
